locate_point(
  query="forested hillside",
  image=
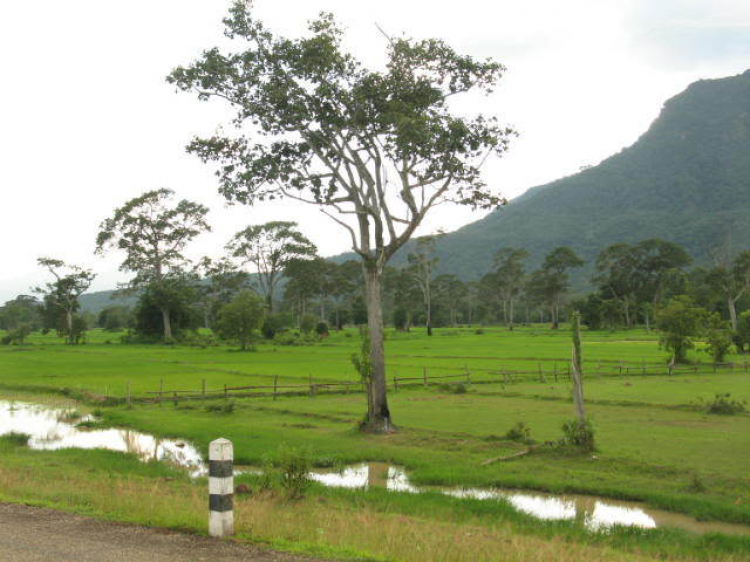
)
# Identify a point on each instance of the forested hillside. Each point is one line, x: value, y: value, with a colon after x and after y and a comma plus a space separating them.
x: 686, y: 180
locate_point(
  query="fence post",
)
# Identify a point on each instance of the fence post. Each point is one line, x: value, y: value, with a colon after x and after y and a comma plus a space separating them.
x: 161, y: 388
x: 275, y: 385
x: 174, y: 398
x: 225, y: 391
x: 220, y: 488
x: 395, y: 384
x: 128, y: 392
x: 555, y: 370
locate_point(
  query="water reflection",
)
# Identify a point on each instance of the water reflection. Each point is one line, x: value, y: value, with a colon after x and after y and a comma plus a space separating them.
x: 53, y: 428
x: 596, y: 514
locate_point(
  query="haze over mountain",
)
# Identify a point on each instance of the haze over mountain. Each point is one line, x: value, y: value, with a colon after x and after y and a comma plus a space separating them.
x: 686, y: 180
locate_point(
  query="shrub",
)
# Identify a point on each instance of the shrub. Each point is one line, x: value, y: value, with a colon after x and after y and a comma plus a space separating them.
x: 479, y: 331
x: 718, y: 339
x: 723, y: 405
x: 17, y: 336
x: 520, y: 433
x: 226, y: 408
x: 322, y: 329
x: 17, y: 439
x: 294, y: 467
x: 454, y: 388
x: 307, y: 323
x: 272, y: 325
x: 578, y: 434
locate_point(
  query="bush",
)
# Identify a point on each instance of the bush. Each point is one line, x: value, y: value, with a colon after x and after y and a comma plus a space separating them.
x: 307, y: 323
x: 578, y: 434
x: 718, y: 339
x: 723, y: 405
x: 294, y: 467
x: 454, y: 388
x: 322, y: 329
x: 272, y: 325
x: 17, y: 439
x: 479, y: 331
x: 17, y: 336
x: 520, y: 433
x: 226, y: 408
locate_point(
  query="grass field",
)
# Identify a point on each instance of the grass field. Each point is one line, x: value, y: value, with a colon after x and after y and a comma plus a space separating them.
x: 655, y: 441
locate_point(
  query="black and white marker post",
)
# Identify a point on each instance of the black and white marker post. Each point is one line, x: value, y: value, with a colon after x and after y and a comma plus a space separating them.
x: 220, y: 488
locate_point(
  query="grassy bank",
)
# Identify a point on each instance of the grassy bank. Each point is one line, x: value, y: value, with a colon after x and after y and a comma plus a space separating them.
x: 365, y: 525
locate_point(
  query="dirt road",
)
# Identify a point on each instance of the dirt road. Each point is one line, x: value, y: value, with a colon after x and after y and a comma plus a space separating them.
x: 30, y: 534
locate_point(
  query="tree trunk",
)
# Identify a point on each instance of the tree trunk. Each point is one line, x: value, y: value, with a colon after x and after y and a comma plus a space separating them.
x: 69, y: 322
x: 732, y: 313
x: 429, y: 318
x: 553, y: 313
x: 626, y: 306
x: 167, y: 324
x: 322, y: 309
x: 576, y: 371
x: 510, y: 326
x: 378, y: 416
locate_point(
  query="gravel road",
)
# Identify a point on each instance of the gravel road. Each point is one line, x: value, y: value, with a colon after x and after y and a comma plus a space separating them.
x: 29, y: 534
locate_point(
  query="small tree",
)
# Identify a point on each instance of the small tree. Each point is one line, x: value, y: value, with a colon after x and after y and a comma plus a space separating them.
x: 241, y: 318
x: 71, y: 281
x: 270, y: 247
x: 742, y: 335
x: 680, y: 321
x: 718, y: 338
x: 732, y: 280
x: 510, y: 275
x: 153, y: 234
x: 422, y: 262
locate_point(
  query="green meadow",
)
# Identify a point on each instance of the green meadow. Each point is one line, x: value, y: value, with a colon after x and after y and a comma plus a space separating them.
x: 656, y: 442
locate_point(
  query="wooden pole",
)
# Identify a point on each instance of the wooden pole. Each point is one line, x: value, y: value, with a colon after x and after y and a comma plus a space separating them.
x: 576, y: 370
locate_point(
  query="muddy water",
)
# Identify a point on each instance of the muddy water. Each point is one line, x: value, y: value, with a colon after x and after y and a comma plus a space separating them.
x: 54, y: 428
x: 592, y: 512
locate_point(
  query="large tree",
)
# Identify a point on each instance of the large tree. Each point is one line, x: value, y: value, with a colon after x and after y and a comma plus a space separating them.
x: 732, y: 280
x: 510, y: 276
x: 153, y: 233
x: 374, y: 150
x: 422, y: 262
x: 61, y: 295
x: 550, y: 282
x: 270, y: 247
x: 619, y: 275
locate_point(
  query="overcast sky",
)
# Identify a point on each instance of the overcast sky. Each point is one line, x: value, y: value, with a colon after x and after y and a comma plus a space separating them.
x: 88, y: 122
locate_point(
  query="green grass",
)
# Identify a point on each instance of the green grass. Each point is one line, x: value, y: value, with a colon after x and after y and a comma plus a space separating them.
x: 654, y: 440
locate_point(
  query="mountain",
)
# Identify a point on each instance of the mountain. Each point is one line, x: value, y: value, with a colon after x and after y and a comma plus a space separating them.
x: 686, y: 180
x: 97, y: 301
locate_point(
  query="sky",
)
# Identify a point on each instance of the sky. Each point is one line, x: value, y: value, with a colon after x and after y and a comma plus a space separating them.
x: 88, y: 122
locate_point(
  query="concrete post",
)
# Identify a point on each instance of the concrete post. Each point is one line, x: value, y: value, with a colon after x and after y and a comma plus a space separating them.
x: 220, y: 488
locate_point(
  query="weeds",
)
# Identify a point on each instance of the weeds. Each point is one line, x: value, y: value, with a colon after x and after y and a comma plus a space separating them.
x: 226, y: 408
x: 578, y: 434
x: 520, y: 433
x: 724, y: 405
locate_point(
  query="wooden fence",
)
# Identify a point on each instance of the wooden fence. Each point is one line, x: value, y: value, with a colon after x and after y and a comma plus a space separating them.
x: 501, y: 375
